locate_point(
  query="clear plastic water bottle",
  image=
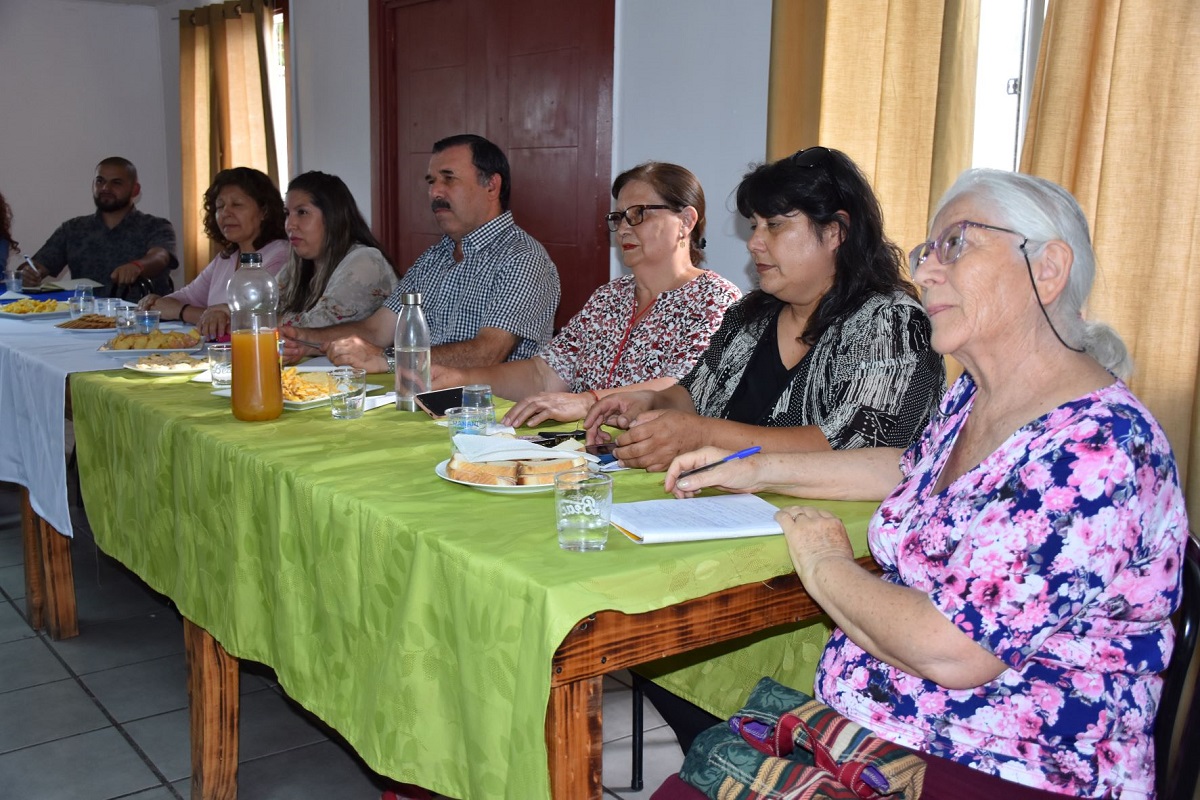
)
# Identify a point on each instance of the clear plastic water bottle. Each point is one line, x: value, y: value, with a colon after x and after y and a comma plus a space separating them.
x: 412, y: 352
x: 257, y: 388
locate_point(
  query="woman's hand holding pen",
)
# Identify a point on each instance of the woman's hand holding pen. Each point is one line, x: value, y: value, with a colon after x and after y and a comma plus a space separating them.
x: 740, y: 476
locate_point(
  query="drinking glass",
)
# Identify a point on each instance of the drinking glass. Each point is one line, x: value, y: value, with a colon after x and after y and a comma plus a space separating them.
x: 147, y: 321
x: 466, y: 419
x: 582, y: 506
x: 479, y: 395
x: 126, y: 321
x: 12, y: 282
x: 220, y: 364
x: 348, y: 391
x: 83, y: 301
x: 107, y: 306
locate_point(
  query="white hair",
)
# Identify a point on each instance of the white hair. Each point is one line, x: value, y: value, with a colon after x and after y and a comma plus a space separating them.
x: 1044, y: 211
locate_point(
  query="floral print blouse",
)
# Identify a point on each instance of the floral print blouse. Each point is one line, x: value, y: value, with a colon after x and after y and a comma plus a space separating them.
x: 1060, y: 554
x: 604, y: 346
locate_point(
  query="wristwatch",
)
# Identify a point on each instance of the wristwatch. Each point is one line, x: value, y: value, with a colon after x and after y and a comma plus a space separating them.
x: 390, y: 354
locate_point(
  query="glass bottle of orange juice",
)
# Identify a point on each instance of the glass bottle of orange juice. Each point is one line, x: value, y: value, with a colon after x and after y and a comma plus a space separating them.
x: 257, y: 390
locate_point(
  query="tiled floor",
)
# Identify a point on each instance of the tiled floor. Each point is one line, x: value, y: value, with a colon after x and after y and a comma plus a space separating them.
x: 104, y: 715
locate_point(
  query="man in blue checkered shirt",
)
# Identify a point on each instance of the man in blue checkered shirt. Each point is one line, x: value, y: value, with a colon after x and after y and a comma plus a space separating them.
x: 489, y: 290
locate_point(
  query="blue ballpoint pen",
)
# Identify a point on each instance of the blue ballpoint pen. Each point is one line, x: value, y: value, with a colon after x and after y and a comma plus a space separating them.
x: 749, y: 451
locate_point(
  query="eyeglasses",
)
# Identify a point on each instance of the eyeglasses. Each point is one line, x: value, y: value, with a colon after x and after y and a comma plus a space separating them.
x: 950, y: 243
x: 634, y: 215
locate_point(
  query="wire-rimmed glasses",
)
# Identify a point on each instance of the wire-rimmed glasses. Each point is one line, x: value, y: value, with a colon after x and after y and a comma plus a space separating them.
x: 949, y: 246
x: 634, y: 215
x: 951, y: 241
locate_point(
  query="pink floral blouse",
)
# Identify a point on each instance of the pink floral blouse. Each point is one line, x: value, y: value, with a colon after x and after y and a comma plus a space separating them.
x: 603, y: 346
x: 1059, y: 554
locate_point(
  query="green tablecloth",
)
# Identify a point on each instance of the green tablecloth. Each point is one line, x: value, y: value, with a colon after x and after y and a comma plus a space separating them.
x: 415, y: 616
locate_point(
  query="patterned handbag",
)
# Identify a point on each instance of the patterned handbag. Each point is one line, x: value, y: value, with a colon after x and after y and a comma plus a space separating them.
x: 784, y: 745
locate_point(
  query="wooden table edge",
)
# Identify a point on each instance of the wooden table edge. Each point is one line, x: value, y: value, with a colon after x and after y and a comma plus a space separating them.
x: 611, y: 640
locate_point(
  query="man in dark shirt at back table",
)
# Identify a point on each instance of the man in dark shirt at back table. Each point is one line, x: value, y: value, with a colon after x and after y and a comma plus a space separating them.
x: 117, y: 245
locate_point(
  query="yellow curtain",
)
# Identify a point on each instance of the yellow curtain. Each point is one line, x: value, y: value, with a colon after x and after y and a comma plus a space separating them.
x: 225, y: 106
x: 890, y: 84
x: 1114, y: 119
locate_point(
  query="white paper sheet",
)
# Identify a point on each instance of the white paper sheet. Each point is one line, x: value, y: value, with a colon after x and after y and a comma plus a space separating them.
x: 726, y: 516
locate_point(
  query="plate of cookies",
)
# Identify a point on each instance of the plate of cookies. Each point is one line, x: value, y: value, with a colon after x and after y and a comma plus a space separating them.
x: 89, y: 322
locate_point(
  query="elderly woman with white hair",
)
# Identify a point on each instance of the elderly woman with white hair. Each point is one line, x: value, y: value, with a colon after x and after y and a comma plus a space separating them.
x: 1030, y: 541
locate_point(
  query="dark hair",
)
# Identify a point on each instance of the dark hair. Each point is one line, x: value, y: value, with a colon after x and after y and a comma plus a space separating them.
x: 487, y: 158
x: 827, y: 187
x: 261, y: 189
x: 124, y: 163
x: 678, y: 188
x: 6, y: 225
x: 344, y: 228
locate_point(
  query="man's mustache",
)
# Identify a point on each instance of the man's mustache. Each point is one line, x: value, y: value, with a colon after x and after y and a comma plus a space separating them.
x: 434, y: 205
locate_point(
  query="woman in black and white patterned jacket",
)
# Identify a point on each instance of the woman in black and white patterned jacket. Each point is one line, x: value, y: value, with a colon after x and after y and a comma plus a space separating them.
x: 831, y: 351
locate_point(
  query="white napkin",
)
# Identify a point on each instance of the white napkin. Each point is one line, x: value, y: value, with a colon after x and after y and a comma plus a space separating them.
x: 379, y: 401
x: 491, y: 448
x: 13, y: 296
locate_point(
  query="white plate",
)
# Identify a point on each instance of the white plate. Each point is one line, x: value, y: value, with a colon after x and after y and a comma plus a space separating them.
x: 136, y: 367
x: 296, y: 405
x: 440, y: 469
x: 138, y: 353
x: 38, y: 315
x: 105, y: 331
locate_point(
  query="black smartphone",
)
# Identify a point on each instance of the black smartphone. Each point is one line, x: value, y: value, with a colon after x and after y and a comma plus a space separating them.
x: 600, y: 449
x: 551, y: 438
x: 436, y: 403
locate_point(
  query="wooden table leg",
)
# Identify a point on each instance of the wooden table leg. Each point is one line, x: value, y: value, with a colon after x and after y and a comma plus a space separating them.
x: 49, y: 575
x: 35, y: 583
x: 574, y: 738
x: 62, y: 616
x: 213, y: 702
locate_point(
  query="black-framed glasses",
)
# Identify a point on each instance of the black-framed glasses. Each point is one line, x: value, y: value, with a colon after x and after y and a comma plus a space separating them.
x: 951, y: 241
x: 634, y: 215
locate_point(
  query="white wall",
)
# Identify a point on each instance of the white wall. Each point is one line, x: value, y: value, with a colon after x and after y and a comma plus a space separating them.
x: 330, y: 76
x: 690, y: 86
x: 78, y: 82
x: 82, y: 80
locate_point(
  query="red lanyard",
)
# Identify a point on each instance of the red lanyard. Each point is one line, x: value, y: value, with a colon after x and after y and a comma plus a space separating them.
x: 625, y: 339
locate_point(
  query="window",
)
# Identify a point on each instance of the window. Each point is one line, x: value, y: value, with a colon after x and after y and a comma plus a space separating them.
x: 1009, y: 34
x: 277, y: 77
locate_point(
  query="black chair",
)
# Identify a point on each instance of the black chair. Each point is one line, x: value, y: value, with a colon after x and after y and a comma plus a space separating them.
x: 131, y: 292
x: 638, y: 742
x: 1177, y: 728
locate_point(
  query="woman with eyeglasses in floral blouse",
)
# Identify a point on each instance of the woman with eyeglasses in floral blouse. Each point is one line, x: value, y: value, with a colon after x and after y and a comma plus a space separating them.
x: 1030, y: 541
x: 642, y: 330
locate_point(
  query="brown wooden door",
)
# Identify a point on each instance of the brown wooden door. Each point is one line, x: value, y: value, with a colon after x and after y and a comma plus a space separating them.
x: 535, y: 77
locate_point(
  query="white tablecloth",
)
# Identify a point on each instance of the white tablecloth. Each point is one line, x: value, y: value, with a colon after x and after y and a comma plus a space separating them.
x: 35, y: 359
